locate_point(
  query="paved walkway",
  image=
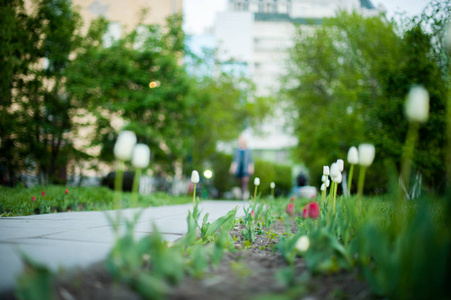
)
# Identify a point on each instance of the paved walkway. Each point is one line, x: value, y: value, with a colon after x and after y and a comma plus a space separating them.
x: 79, y: 239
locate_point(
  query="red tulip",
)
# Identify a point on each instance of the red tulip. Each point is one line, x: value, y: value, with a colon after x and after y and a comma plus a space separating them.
x: 253, y: 214
x: 67, y: 191
x: 292, y: 199
x: 313, y: 210
x: 33, y: 199
x: 290, y: 208
x: 305, y: 213
x: 43, y: 193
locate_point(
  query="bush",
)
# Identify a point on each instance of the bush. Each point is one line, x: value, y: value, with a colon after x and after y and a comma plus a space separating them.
x: 266, y: 171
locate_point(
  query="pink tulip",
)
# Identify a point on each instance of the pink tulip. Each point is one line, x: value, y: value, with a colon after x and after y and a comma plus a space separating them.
x: 305, y: 213
x: 290, y: 208
x: 67, y: 191
x: 253, y: 214
x: 292, y: 199
x: 313, y: 210
x: 43, y: 193
x: 33, y: 199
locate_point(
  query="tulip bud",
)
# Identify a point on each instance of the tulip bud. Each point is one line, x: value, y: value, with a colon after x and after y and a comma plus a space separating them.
x: 66, y: 191
x: 302, y: 244
x: 341, y: 165
x: 141, y: 156
x: 253, y: 214
x: 33, y: 199
x: 366, y: 154
x: 324, y: 178
x: 334, y: 170
x: 256, y: 181
x: 417, y: 105
x: 195, y: 177
x: 338, y: 178
x: 43, y: 193
x: 290, y: 209
x: 353, y: 156
x: 123, y: 149
x: 313, y: 210
x: 272, y: 185
x: 327, y: 183
x: 305, y: 213
x: 326, y: 170
x: 323, y: 187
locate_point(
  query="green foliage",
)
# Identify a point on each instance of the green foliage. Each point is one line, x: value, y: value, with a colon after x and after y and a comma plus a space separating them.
x: 36, y: 282
x: 18, y: 201
x: 266, y: 171
x: 208, y: 230
x: 35, y: 107
x: 286, y: 246
x: 348, y: 83
x: 249, y: 232
x: 128, y: 258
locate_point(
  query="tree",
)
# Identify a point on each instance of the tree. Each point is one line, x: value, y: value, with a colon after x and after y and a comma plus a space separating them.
x: 348, y: 85
x: 35, y: 121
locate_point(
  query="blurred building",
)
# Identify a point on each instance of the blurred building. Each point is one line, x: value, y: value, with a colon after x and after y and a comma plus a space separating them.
x: 126, y: 15
x: 256, y: 34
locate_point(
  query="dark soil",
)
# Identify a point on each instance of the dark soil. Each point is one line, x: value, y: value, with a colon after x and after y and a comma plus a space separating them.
x: 244, y: 274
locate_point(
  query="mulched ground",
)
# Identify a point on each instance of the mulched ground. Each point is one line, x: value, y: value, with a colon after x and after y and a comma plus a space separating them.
x: 246, y: 274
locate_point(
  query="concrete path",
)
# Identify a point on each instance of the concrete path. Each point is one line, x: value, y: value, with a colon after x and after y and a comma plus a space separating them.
x: 79, y: 239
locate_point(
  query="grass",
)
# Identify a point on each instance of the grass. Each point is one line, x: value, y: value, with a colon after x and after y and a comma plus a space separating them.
x: 18, y: 201
x: 409, y: 261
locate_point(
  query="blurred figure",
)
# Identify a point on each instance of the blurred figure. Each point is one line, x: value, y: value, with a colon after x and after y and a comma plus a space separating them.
x: 242, y: 166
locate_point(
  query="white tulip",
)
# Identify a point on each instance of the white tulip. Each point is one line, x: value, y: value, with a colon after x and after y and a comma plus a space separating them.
x: 334, y: 170
x: 324, y: 178
x: 337, y: 179
x: 353, y: 156
x: 123, y: 149
x: 302, y: 244
x: 326, y: 170
x: 323, y: 187
x: 417, y: 104
x: 257, y: 181
x: 366, y: 154
x: 272, y: 185
x: 327, y: 183
x: 141, y: 156
x: 341, y: 165
x: 195, y: 177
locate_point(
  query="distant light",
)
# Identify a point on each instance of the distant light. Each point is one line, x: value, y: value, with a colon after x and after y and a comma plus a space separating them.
x: 208, y: 173
x: 154, y: 84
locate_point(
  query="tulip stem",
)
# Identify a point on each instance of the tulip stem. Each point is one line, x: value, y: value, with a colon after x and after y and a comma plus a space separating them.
x: 408, y: 152
x: 135, y: 189
x: 335, y: 196
x: 118, y: 185
x: 361, y: 181
x: 351, y: 172
x: 194, y: 194
x: 272, y: 193
x: 255, y: 192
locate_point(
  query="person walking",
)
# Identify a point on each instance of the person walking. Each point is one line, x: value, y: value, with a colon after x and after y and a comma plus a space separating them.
x: 242, y: 166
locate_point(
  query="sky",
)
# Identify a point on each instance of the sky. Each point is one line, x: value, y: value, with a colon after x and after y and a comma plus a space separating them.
x: 200, y: 14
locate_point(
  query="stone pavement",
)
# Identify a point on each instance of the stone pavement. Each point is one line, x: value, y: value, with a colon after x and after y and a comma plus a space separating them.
x: 79, y: 239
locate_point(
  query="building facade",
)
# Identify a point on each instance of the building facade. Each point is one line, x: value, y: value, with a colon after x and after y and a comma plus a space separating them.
x: 257, y: 34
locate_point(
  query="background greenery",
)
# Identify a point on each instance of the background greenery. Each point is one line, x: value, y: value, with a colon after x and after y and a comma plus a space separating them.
x: 18, y: 201
x: 347, y: 83
x: 58, y: 81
